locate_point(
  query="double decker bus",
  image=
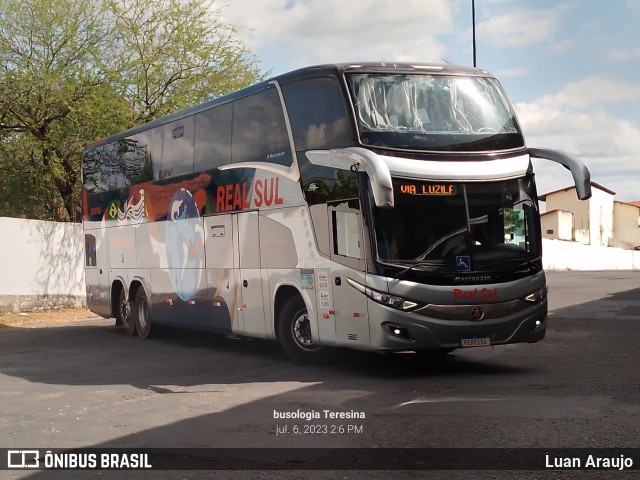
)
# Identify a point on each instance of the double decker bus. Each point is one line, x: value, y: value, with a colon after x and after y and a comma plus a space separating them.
x: 376, y: 206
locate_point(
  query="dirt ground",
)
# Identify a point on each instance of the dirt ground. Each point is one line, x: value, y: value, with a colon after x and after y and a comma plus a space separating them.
x: 40, y: 318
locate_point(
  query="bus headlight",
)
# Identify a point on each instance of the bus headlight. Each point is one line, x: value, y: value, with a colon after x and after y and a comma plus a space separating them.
x: 386, y: 299
x: 537, y: 296
x: 390, y: 300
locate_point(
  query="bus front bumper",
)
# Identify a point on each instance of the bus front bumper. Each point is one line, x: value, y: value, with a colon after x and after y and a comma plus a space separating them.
x: 449, y: 327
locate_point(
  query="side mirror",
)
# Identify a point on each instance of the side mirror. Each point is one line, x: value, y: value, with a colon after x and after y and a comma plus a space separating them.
x: 579, y: 171
x: 355, y: 158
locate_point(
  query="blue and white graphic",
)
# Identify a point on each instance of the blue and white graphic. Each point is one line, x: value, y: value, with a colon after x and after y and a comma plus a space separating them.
x: 185, y: 244
x: 463, y: 262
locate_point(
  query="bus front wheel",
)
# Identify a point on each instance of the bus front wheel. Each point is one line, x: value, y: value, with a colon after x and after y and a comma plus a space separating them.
x: 294, y: 333
x: 141, y: 314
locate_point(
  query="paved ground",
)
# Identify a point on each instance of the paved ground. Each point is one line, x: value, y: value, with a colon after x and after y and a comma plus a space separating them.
x: 73, y: 380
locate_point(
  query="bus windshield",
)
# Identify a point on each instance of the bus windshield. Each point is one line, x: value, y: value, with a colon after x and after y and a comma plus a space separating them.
x: 434, y: 112
x: 459, y: 227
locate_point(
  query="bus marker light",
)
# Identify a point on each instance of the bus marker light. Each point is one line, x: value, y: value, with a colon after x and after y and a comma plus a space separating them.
x: 325, y: 315
x: 537, y: 296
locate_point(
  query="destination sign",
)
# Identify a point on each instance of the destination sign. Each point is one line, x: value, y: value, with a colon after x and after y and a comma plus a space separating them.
x: 433, y: 189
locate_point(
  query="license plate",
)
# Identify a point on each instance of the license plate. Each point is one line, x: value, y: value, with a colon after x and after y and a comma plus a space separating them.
x: 479, y: 341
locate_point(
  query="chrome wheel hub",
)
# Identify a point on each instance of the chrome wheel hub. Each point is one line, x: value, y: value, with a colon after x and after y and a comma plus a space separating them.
x: 302, y: 331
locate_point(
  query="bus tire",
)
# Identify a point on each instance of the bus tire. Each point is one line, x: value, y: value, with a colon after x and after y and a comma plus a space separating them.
x: 294, y: 333
x: 123, y: 314
x: 141, y: 316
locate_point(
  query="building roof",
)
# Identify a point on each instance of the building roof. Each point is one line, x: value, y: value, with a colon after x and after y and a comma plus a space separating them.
x: 544, y: 196
x: 555, y: 210
x: 635, y: 204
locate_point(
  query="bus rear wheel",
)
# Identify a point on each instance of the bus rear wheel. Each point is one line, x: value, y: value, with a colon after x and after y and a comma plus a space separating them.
x: 294, y: 333
x: 123, y: 314
x: 141, y: 316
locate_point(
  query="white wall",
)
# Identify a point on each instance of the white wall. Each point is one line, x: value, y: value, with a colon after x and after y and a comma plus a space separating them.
x: 41, y: 264
x: 559, y: 255
x: 601, y: 218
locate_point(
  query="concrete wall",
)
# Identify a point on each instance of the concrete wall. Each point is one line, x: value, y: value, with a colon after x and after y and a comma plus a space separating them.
x: 601, y: 218
x: 559, y: 255
x: 41, y: 265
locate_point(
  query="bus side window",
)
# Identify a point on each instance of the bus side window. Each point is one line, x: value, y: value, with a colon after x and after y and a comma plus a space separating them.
x: 213, y: 138
x: 90, y: 253
x: 177, y: 148
x: 317, y: 113
x: 259, y: 130
x: 121, y: 153
x: 96, y: 170
x: 346, y: 234
x: 134, y: 159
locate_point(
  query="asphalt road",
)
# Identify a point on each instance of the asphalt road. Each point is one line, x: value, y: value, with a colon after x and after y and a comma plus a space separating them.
x: 87, y: 385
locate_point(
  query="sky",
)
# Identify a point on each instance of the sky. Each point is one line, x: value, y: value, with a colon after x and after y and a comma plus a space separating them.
x: 571, y: 67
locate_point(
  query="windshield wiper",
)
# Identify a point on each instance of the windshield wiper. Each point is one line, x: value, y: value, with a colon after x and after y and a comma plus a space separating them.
x: 428, y: 265
x: 523, y: 262
x: 441, y: 240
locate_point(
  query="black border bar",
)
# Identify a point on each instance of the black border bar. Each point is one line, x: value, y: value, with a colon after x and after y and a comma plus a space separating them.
x: 324, y: 459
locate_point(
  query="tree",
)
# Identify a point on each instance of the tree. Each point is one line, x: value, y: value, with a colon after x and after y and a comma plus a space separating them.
x: 50, y: 73
x: 174, y: 54
x: 73, y: 71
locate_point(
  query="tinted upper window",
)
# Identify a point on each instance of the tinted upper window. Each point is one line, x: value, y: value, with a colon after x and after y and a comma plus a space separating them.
x: 213, y: 138
x: 317, y: 113
x: 96, y: 169
x: 152, y: 142
x: 259, y: 130
x: 131, y: 162
x: 177, y: 147
x: 118, y: 164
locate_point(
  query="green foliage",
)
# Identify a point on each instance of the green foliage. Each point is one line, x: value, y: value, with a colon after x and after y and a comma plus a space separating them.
x: 73, y: 71
x: 173, y: 54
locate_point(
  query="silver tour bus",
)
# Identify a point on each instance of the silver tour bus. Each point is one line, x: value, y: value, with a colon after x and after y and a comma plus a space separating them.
x: 375, y: 206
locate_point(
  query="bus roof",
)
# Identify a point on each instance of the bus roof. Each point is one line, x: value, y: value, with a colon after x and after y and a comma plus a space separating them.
x: 380, y: 67
x: 305, y: 72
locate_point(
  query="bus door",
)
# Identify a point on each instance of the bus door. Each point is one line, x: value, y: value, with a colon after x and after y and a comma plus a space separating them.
x: 97, y: 271
x: 349, y: 305
x: 250, y: 303
x: 220, y: 262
